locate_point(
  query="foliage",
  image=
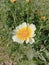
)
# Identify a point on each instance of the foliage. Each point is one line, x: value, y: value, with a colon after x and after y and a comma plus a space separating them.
x: 13, y: 14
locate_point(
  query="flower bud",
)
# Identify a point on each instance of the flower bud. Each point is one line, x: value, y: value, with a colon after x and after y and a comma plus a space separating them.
x: 27, y: 1
x: 43, y: 17
x: 13, y: 1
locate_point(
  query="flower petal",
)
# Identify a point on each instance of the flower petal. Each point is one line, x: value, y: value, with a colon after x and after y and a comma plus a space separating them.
x: 15, y: 39
x: 32, y: 40
x: 19, y: 27
x: 22, y: 25
x: 27, y: 41
x: 32, y: 26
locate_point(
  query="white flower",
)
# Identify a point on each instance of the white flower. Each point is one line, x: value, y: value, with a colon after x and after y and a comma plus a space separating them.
x: 24, y: 32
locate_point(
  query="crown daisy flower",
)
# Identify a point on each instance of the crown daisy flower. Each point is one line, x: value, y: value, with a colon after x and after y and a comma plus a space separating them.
x: 24, y: 32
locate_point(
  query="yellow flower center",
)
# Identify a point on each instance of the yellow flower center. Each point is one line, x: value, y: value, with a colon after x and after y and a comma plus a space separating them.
x: 24, y: 33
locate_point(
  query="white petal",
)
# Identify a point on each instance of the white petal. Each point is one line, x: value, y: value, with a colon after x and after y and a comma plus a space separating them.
x: 32, y: 26
x: 27, y: 40
x: 15, y: 30
x: 15, y: 39
x: 33, y: 35
x: 22, y: 25
x: 32, y: 40
x: 19, y: 27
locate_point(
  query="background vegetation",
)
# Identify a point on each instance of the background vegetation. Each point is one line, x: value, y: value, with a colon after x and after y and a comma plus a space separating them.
x: 11, y: 15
